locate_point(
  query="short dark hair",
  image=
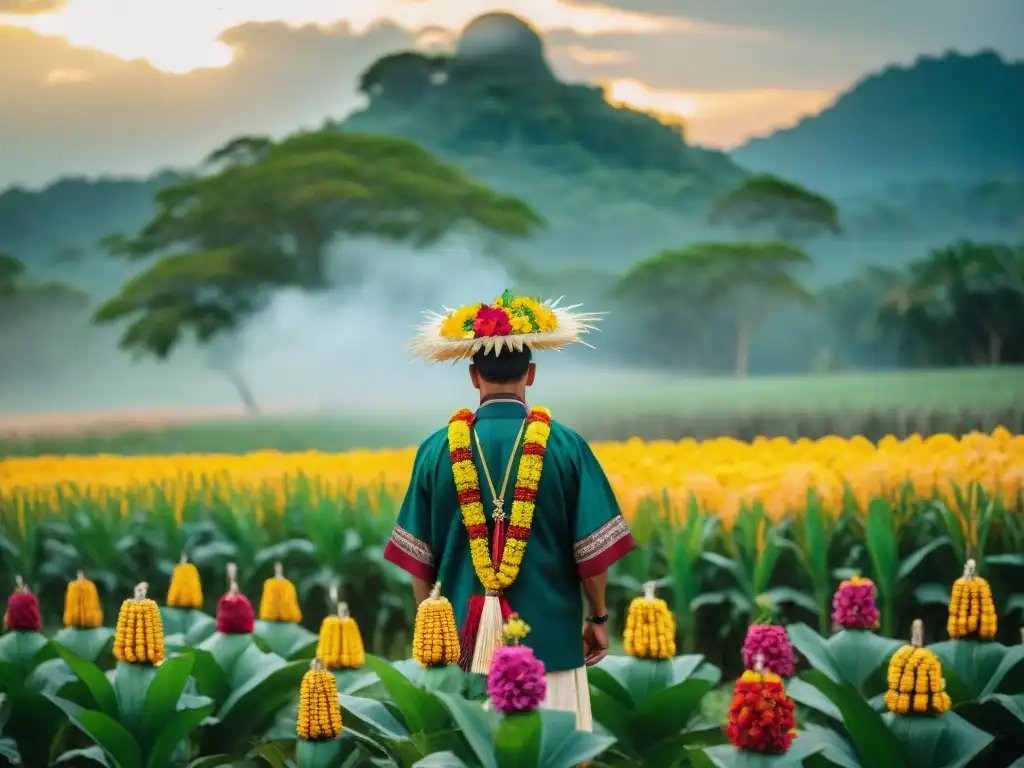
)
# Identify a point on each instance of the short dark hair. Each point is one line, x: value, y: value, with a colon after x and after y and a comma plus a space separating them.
x: 511, y: 365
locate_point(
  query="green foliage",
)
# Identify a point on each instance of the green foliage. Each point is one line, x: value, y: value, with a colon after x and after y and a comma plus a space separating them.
x: 734, y: 283
x: 266, y: 216
x: 768, y: 203
x: 652, y: 708
x: 962, y: 304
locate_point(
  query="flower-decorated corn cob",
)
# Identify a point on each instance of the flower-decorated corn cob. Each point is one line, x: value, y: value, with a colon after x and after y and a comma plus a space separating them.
x: 139, y: 636
x: 972, y: 613
x: 650, y: 627
x: 435, y: 641
x: 82, y: 604
x: 916, y: 685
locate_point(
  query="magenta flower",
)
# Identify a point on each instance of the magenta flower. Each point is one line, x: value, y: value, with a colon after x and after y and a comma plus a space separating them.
x: 853, y: 606
x: 773, y: 644
x: 516, y: 681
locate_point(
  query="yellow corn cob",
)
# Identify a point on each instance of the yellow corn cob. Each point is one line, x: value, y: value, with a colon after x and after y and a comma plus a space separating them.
x: 279, y: 601
x: 139, y: 637
x: 972, y: 612
x: 82, y: 604
x: 435, y: 640
x: 186, y: 590
x: 340, y: 645
x: 916, y: 685
x: 319, y: 712
x: 650, y: 627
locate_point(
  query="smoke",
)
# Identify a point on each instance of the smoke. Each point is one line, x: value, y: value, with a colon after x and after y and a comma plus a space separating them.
x: 339, y: 353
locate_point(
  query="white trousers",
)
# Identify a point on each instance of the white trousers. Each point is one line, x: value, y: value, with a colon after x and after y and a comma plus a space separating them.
x: 569, y: 691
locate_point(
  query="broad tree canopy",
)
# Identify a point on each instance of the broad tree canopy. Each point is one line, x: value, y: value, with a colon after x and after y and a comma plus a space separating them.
x: 266, y: 215
x: 690, y: 291
x: 768, y: 204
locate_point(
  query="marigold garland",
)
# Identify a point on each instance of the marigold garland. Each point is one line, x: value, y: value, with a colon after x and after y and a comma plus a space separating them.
x: 507, y: 314
x: 467, y: 483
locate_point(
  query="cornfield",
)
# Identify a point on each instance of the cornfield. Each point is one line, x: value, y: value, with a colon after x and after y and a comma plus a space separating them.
x: 723, y: 475
x: 721, y: 523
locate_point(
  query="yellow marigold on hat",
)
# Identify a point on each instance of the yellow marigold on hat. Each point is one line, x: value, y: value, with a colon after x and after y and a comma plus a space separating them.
x: 509, y: 322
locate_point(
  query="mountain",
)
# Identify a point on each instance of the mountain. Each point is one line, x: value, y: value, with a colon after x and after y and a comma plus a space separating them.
x: 954, y: 117
x: 615, y: 184
x: 57, y: 230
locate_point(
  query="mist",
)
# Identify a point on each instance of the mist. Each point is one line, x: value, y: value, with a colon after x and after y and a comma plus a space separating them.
x: 342, y: 352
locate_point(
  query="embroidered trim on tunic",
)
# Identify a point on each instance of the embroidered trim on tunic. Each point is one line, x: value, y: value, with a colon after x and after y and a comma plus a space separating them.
x: 415, y: 548
x: 601, y: 540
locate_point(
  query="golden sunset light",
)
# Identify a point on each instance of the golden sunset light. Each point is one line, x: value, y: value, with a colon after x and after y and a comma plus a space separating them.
x: 720, y: 118
x: 183, y: 35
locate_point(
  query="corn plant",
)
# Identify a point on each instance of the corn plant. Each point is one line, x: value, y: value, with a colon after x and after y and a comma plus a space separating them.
x: 686, y: 538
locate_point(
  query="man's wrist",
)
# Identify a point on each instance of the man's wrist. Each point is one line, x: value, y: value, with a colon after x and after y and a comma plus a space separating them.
x: 597, y: 618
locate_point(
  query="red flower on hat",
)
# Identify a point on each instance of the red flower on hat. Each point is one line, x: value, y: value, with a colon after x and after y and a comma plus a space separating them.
x: 491, y: 321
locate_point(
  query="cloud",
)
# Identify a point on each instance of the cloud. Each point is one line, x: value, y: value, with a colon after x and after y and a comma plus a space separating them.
x: 30, y: 6
x: 180, y: 35
x: 589, y: 56
x: 81, y: 111
x: 886, y: 28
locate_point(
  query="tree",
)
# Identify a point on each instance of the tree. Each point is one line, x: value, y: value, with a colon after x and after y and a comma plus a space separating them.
x: 769, y: 205
x: 739, y: 281
x: 32, y: 315
x: 961, y: 303
x: 265, y: 217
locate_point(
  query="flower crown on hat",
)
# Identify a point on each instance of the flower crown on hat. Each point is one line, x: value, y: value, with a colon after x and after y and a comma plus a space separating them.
x: 509, y: 322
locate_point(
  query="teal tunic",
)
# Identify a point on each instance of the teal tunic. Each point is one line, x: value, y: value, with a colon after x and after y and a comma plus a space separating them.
x: 578, y: 530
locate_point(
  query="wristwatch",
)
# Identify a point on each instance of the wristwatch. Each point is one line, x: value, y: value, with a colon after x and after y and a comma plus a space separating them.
x: 597, y: 619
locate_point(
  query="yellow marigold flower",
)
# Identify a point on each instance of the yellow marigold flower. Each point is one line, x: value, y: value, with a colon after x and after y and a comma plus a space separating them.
x: 319, y: 712
x: 186, y: 591
x: 435, y: 640
x: 453, y: 326
x: 521, y: 324
x: 279, y: 601
x: 915, y: 679
x: 546, y: 319
x: 340, y: 645
x: 139, y: 636
x: 650, y: 627
x: 515, y: 629
x: 82, y: 604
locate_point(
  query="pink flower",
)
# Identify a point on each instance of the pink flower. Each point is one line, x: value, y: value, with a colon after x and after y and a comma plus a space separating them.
x: 491, y: 321
x: 853, y: 606
x: 773, y: 644
x: 516, y: 682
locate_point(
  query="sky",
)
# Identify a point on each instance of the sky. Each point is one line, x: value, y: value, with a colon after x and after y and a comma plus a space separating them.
x: 123, y: 87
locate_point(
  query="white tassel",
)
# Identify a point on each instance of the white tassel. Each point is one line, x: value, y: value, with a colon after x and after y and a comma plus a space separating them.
x: 489, y: 635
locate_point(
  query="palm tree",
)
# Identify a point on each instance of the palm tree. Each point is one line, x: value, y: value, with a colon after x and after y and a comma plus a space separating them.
x: 967, y: 298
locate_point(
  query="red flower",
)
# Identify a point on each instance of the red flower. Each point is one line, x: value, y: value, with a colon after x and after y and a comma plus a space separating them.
x: 491, y: 321
x: 761, y: 717
x: 22, y: 613
x: 235, y: 615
